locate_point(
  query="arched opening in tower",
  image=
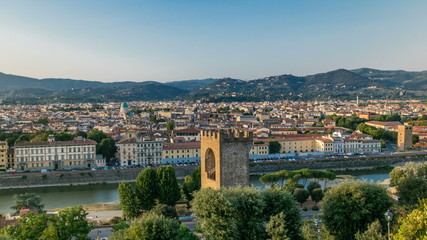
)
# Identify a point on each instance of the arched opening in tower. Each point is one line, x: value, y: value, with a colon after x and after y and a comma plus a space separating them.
x: 210, y: 168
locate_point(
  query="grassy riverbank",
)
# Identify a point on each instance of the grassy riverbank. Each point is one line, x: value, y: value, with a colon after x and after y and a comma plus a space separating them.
x: 111, y: 206
x: 365, y: 171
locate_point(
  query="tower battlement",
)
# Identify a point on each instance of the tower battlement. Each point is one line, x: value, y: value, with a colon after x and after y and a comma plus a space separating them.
x: 229, y: 135
x: 225, y: 158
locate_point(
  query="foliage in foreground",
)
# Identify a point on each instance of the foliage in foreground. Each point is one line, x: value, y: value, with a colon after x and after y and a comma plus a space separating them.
x: 153, y: 226
x: 68, y: 224
x: 351, y: 206
x: 414, y: 226
x: 241, y: 213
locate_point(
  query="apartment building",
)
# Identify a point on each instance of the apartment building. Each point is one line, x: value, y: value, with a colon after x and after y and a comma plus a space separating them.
x: 260, y: 148
x: 3, y: 156
x: 134, y: 151
x: 75, y: 154
x: 181, y: 150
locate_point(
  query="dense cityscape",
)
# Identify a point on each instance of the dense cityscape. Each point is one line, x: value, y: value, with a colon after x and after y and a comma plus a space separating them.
x: 42, y: 142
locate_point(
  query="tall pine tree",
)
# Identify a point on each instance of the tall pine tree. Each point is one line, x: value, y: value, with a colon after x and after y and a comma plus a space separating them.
x: 128, y: 200
x: 170, y: 192
x: 147, y: 188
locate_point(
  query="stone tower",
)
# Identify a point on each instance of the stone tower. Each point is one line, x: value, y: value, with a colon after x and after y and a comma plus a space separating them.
x: 225, y: 158
x: 404, y: 137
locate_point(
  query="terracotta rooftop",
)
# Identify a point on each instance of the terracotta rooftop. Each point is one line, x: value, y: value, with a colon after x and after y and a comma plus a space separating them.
x: 59, y: 143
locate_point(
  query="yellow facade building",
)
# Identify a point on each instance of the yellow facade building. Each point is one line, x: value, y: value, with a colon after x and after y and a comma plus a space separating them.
x: 260, y: 148
x: 181, y: 150
x: 3, y: 156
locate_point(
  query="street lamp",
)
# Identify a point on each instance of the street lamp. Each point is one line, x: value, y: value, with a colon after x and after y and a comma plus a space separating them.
x: 388, y: 216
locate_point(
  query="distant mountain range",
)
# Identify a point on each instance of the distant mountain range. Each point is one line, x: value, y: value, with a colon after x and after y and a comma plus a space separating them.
x: 337, y: 84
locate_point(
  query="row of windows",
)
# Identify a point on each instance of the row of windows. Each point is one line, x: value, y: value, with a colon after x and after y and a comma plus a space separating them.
x: 181, y: 156
x: 74, y: 163
x: 145, y: 154
x: 55, y: 150
x: 56, y: 158
x: 182, y: 151
x: 259, y: 152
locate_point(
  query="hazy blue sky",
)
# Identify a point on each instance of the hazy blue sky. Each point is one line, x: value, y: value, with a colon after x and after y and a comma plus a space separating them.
x: 177, y: 39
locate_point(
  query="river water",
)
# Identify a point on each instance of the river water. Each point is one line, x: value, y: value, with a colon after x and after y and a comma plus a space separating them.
x: 64, y: 196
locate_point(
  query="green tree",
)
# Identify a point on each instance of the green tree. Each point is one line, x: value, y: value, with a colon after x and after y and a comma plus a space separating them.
x: 165, y: 210
x: 410, y: 170
x: 276, y: 227
x: 40, y: 137
x: 192, y: 183
x: 68, y: 224
x: 128, y: 201
x: 274, y: 147
x: 23, y: 138
x: 350, y: 207
x: 96, y: 135
x: 412, y: 189
x: 30, y: 227
x: 374, y: 232
x: 107, y: 147
x: 80, y: 134
x: 305, y: 174
x: 414, y: 225
x: 247, y: 211
x: 170, y: 191
x: 415, y: 138
x: 316, y: 195
x: 63, y: 136
x: 310, y: 231
x: 269, y: 178
x: 147, y: 188
x: 278, y: 200
x: 312, y: 186
x: 170, y: 125
x: 301, y: 195
x: 43, y: 121
x: 29, y: 201
x: 241, y: 213
x: 152, y: 226
x: 214, y: 214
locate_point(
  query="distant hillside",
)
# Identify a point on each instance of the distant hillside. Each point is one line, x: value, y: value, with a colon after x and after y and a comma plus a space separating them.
x: 398, y: 78
x: 191, y: 84
x: 146, y: 92
x: 14, y: 82
x: 338, y: 84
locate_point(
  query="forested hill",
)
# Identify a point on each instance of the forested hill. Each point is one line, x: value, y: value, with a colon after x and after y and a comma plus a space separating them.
x: 338, y: 84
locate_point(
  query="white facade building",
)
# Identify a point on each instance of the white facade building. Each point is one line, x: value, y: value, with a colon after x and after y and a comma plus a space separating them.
x: 137, y: 152
x: 79, y: 153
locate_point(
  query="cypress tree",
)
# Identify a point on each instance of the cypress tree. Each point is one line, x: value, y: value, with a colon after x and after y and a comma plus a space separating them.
x: 128, y: 200
x: 170, y: 191
x: 147, y: 188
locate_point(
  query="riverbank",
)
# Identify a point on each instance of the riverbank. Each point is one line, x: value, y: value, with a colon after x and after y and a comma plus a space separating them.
x: 71, y: 178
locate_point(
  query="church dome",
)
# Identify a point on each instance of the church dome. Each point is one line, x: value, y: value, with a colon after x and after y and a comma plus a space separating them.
x: 124, y: 105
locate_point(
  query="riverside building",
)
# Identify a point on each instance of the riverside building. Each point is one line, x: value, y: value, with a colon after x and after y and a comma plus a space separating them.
x: 75, y: 154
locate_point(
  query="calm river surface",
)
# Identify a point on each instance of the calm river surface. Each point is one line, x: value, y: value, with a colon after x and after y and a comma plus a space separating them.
x: 58, y: 197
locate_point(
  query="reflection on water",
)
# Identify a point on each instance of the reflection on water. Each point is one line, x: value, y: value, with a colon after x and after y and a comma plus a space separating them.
x: 58, y: 197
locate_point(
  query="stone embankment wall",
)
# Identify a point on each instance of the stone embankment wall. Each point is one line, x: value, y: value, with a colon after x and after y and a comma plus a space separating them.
x: 114, y: 176
x: 76, y: 177
x: 262, y: 168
